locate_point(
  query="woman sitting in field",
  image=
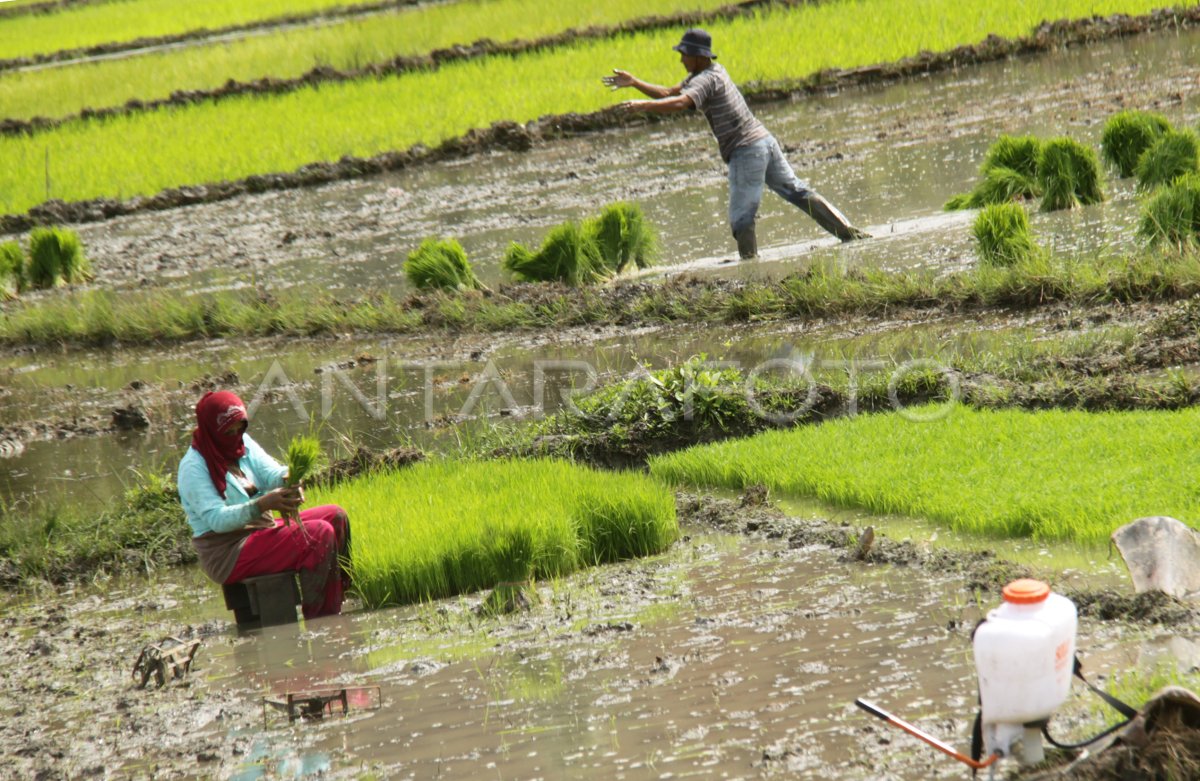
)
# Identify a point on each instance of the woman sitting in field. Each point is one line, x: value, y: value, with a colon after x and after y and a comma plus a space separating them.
x: 229, y: 487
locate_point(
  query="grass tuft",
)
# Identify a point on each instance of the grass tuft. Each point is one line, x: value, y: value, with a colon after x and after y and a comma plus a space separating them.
x: 440, y: 265
x: 1176, y: 153
x: 1172, y: 214
x: 1003, y: 233
x: 56, y: 258
x: 1070, y: 175
x: 1127, y: 135
x: 12, y: 269
x: 569, y: 254
x: 623, y: 236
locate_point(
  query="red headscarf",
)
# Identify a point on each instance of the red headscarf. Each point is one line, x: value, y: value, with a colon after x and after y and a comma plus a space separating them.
x: 216, y: 413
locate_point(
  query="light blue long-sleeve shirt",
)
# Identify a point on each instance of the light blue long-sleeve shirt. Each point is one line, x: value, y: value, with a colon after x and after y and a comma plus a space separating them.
x: 206, y: 510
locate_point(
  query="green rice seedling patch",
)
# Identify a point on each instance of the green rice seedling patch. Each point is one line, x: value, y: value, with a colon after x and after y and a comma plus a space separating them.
x: 1172, y: 214
x: 1003, y: 234
x: 1069, y: 174
x: 1052, y: 475
x: 12, y: 269
x: 144, y: 153
x: 445, y: 528
x: 97, y: 23
x: 1176, y: 153
x: 1127, y: 135
x: 624, y: 237
x: 289, y: 53
x: 440, y: 264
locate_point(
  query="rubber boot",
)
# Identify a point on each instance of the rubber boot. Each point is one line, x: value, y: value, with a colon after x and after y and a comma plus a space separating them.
x: 747, y: 243
x: 832, y: 220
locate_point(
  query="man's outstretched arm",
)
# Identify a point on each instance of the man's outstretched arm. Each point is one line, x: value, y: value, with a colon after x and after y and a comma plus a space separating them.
x: 622, y: 78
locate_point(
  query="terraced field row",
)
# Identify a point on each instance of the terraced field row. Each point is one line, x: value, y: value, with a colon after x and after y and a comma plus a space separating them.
x: 144, y: 153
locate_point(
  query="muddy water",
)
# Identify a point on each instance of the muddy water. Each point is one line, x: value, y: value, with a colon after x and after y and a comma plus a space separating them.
x: 438, y: 395
x: 722, y: 659
x: 888, y: 156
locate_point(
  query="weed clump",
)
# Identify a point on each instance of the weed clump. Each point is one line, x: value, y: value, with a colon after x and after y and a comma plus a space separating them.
x: 1172, y: 214
x: 1070, y: 175
x: 440, y: 265
x: 1003, y: 233
x: 623, y: 236
x: 1009, y: 171
x: 1127, y: 135
x: 56, y: 258
x: 568, y: 254
x: 12, y: 263
x: 1175, y: 154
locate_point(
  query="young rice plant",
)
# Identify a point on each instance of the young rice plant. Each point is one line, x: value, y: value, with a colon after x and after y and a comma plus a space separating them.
x: 1009, y: 171
x: 440, y: 264
x: 569, y: 254
x: 303, y: 454
x: 12, y: 263
x: 623, y: 236
x: 1128, y: 134
x: 1003, y: 234
x: 1172, y: 214
x: 1175, y: 154
x: 55, y: 258
x: 443, y: 528
x: 1070, y: 175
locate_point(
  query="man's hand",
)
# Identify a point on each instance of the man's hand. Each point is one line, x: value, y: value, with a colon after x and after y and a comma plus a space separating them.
x: 619, y: 79
x: 632, y: 106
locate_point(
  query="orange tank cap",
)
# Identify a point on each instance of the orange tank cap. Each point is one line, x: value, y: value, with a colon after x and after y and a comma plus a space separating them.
x: 1026, y: 591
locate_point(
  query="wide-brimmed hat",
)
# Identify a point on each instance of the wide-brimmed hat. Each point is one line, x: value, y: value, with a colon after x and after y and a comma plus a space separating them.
x: 697, y: 43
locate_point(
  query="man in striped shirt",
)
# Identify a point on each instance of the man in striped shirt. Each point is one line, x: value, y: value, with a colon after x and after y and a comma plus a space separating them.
x: 752, y: 153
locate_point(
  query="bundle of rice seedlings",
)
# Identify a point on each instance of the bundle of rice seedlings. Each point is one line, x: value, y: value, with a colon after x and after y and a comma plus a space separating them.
x: 1016, y: 153
x: 1127, y: 135
x: 1003, y: 233
x: 567, y: 255
x: 56, y: 257
x: 303, y: 453
x: 1174, y: 154
x: 442, y: 265
x: 1172, y: 214
x: 623, y: 236
x: 1070, y: 175
x: 12, y: 262
x: 1009, y: 171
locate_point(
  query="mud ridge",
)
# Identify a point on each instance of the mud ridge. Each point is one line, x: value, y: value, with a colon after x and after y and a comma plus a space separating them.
x: 508, y: 135
x: 393, y: 67
x: 48, y: 7
x: 116, y: 47
x: 754, y: 515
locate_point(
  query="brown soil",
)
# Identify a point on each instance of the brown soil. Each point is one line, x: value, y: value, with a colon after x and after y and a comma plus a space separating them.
x: 511, y: 136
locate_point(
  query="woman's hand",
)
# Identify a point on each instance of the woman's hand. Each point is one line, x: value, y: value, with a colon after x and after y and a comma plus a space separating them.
x: 286, y: 501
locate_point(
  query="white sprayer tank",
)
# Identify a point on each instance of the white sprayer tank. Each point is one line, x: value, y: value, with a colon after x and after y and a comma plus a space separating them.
x: 1024, y: 655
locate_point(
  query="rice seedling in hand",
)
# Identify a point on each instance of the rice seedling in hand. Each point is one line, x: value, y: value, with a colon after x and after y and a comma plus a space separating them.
x: 442, y: 265
x: 1174, y: 154
x: 568, y: 254
x: 1003, y: 234
x: 303, y: 454
x: 1070, y: 175
x: 12, y: 262
x: 1172, y: 214
x: 1128, y: 134
x: 623, y: 236
x: 55, y: 258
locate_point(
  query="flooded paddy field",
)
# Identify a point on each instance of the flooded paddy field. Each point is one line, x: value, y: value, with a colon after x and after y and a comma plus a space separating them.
x: 888, y: 156
x: 728, y: 657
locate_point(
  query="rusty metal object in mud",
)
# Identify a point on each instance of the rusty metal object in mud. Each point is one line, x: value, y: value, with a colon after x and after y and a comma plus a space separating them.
x: 170, y: 657
x: 316, y: 705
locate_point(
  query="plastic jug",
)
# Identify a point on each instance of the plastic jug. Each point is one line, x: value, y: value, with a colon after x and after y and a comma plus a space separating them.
x: 1024, y: 656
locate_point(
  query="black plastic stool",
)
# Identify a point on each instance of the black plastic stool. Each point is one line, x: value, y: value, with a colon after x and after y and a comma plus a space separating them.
x: 266, y: 600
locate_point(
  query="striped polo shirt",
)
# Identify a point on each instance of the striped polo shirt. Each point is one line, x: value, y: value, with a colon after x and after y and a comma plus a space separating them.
x: 718, y: 97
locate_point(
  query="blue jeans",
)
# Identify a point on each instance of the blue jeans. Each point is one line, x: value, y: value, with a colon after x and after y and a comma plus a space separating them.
x: 762, y: 162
